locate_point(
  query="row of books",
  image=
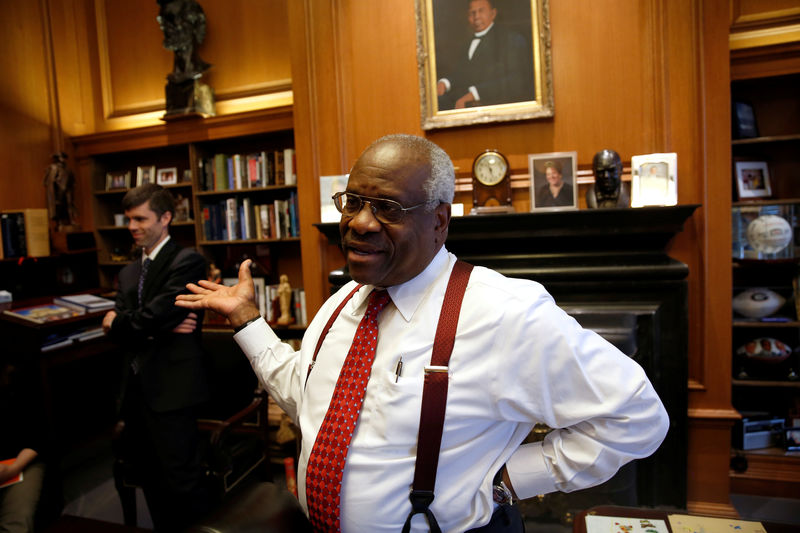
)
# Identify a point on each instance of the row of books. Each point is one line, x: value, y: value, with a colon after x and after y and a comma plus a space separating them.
x: 239, y: 219
x: 246, y: 171
x: 61, y: 308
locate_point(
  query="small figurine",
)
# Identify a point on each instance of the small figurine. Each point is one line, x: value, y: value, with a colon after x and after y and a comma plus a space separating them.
x: 285, y: 300
x: 607, y: 188
x: 59, y: 181
x: 181, y: 208
x: 214, y: 273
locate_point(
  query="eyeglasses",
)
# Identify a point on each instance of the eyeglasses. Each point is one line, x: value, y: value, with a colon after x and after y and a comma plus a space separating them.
x: 384, y: 210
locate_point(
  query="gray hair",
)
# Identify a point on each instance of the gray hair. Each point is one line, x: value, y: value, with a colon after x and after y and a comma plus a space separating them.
x: 440, y: 186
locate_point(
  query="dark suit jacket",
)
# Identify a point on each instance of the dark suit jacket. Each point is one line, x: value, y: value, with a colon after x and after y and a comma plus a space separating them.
x: 171, y: 365
x: 545, y: 199
x: 501, y: 69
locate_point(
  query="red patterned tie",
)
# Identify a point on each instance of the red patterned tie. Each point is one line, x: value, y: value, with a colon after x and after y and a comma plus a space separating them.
x: 326, y: 462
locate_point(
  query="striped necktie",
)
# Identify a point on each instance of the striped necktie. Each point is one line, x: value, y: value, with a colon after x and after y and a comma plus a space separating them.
x: 142, y: 276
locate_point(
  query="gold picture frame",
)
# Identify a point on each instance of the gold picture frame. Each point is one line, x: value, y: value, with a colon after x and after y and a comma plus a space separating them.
x: 445, y: 31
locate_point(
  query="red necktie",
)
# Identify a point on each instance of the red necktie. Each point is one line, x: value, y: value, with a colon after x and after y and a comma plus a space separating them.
x: 326, y: 462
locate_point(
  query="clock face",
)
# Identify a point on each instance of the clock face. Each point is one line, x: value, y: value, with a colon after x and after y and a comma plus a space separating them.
x: 490, y: 168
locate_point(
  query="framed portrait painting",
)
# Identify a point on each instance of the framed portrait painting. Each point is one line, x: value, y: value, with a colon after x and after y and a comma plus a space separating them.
x: 481, y: 61
x: 752, y: 179
x: 554, y: 181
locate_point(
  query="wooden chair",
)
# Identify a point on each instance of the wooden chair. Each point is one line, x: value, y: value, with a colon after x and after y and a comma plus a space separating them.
x: 235, y: 422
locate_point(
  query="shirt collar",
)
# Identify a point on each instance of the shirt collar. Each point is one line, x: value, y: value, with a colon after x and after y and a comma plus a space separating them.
x: 152, y: 255
x: 484, y: 32
x: 407, y: 296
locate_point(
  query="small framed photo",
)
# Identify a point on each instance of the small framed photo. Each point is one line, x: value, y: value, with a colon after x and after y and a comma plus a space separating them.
x: 118, y: 180
x: 167, y: 176
x: 554, y: 183
x: 744, y: 121
x: 145, y: 174
x: 752, y: 179
x: 654, y: 180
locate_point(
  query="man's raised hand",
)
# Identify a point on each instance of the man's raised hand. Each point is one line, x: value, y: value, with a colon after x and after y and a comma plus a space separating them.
x: 237, y: 303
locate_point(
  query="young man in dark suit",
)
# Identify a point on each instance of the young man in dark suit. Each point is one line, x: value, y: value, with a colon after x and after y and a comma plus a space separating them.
x: 164, y: 375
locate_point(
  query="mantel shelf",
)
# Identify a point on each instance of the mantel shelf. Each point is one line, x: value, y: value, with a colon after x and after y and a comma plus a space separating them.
x: 599, y: 230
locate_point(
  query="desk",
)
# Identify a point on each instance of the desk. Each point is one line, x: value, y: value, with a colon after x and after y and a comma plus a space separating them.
x: 579, y: 525
x: 78, y: 378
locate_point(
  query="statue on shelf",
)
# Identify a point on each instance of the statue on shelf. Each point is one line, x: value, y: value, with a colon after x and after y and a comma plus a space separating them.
x: 59, y: 182
x: 285, y: 301
x: 214, y: 273
x: 607, y: 189
x: 184, y: 25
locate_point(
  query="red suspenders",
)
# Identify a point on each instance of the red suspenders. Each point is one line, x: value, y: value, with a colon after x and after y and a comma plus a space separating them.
x: 434, y: 393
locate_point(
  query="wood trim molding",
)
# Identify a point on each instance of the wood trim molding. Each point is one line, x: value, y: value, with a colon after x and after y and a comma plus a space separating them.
x: 106, y: 92
x: 771, y: 18
x: 722, y: 510
x: 764, y: 37
x: 707, y: 413
x: 186, y: 131
x: 656, y: 14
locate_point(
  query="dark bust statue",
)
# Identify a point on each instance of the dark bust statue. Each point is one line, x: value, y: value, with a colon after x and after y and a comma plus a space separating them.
x: 607, y: 188
x: 184, y: 25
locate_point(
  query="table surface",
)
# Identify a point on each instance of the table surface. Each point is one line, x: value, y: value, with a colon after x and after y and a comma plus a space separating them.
x: 579, y: 525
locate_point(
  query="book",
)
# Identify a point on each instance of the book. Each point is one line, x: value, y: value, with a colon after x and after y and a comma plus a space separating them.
x: 220, y: 172
x: 288, y: 166
x: 89, y: 302
x: 680, y: 522
x: 16, y: 479
x: 44, y: 313
x: 597, y: 524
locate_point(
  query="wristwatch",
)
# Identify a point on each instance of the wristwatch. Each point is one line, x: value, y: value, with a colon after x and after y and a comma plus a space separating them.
x: 501, y: 494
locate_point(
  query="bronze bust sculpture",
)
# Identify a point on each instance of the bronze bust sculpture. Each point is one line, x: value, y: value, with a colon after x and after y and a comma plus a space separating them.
x: 184, y: 25
x: 607, y: 188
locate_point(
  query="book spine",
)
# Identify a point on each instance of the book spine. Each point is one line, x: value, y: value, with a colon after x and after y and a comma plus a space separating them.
x: 220, y: 173
x: 280, y: 169
x: 231, y: 218
x: 288, y: 166
x: 237, y: 171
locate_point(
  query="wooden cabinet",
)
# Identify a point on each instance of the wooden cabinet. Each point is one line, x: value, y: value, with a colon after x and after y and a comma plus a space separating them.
x: 216, y: 215
x: 766, y: 183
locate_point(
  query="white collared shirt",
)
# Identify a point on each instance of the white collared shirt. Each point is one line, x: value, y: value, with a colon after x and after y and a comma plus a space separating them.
x: 518, y: 359
x: 152, y: 255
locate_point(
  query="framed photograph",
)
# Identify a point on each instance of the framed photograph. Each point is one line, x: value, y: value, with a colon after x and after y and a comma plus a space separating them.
x: 481, y: 63
x: 554, y: 184
x: 118, y: 180
x: 167, y: 176
x: 654, y: 180
x: 145, y: 174
x: 752, y: 179
x: 744, y: 121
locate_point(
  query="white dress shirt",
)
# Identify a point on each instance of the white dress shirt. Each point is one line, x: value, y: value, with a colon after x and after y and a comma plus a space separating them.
x: 518, y: 359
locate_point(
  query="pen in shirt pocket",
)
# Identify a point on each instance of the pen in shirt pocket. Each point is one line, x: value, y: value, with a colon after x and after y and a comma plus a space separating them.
x: 398, y: 370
